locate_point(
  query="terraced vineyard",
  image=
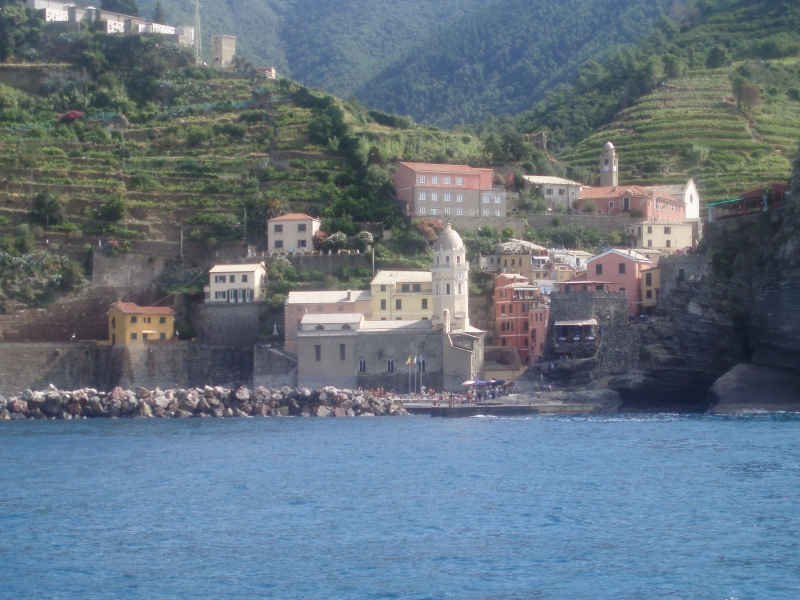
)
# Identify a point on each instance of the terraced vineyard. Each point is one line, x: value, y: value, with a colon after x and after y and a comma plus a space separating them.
x: 658, y: 138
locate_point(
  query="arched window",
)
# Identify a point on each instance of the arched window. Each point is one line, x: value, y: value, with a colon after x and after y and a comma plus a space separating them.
x: 458, y: 259
x: 447, y: 260
x: 447, y: 289
x: 346, y: 326
x: 390, y: 366
x: 320, y: 328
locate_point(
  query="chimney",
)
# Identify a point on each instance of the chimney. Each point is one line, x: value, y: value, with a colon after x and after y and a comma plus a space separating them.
x: 349, y: 295
x: 446, y: 321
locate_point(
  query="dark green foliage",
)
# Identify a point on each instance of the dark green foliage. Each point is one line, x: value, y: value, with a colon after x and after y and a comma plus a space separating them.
x: 718, y: 57
x: 112, y: 210
x: 158, y: 15
x: 20, y: 28
x: 126, y: 7
x: 47, y: 209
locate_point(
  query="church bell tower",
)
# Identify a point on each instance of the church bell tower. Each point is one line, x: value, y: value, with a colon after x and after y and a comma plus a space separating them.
x: 609, y: 166
x: 450, y: 276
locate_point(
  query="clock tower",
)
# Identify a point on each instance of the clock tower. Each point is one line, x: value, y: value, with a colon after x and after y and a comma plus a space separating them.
x: 609, y: 166
x: 450, y: 276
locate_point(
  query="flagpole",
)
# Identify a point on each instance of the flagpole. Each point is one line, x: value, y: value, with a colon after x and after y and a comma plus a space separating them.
x: 415, y: 374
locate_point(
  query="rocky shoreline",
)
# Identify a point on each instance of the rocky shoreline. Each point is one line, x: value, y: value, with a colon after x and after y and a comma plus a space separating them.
x: 206, y: 402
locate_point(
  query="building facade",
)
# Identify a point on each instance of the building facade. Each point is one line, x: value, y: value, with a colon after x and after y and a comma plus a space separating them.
x: 454, y: 193
x: 557, y: 192
x: 651, y: 285
x: 401, y: 296
x: 621, y: 270
x: 660, y: 236
x: 236, y: 283
x: 609, y: 166
x: 133, y: 325
x: 293, y: 232
x: 223, y: 49
x: 336, y: 302
x: 520, y: 316
x: 518, y: 256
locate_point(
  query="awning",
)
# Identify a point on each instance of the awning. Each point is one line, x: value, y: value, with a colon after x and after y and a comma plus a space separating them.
x: 149, y: 331
x: 576, y: 323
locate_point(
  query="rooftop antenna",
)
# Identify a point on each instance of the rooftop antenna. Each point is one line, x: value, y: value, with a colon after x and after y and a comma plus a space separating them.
x: 198, y: 39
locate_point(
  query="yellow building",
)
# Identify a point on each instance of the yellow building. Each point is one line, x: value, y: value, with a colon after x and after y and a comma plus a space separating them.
x: 133, y: 325
x: 651, y: 284
x: 402, y: 296
x: 660, y: 235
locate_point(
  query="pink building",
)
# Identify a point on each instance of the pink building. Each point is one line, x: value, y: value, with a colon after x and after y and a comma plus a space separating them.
x: 520, y: 316
x: 334, y: 302
x: 654, y: 205
x: 457, y: 193
x: 620, y: 269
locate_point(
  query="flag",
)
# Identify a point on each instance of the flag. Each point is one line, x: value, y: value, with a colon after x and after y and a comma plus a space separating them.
x: 408, y: 360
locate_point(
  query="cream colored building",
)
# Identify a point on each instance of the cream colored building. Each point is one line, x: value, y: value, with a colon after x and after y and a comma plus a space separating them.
x: 236, y: 283
x: 223, y: 49
x: 450, y: 275
x: 651, y: 285
x: 660, y: 235
x: 293, y: 232
x: 402, y: 296
x: 335, y: 302
x: 557, y: 192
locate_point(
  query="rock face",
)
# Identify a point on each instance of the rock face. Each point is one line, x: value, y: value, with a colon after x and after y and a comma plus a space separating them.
x: 207, y: 402
x: 752, y: 388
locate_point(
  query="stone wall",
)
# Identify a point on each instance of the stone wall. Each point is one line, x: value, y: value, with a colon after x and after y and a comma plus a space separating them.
x: 75, y: 365
x: 29, y: 78
x: 234, y: 324
x: 468, y: 223
x: 377, y: 348
x: 604, y: 225
x: 695, y: 267
x: 125, y: 270
x: 273, y: 366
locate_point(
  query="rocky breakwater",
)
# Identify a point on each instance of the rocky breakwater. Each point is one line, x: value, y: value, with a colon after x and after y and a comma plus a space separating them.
x: 206, y: 402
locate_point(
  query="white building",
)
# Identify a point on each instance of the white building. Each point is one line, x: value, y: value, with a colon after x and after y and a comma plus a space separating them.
x: 293, y: 232
x: 686, y: 193
x: 236, y: 283
x: 557, y: 192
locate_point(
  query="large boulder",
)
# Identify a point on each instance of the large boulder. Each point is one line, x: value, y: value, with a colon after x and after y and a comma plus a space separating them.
x: 324, y: 411
x: 16, y: 405
x: 750, y: 388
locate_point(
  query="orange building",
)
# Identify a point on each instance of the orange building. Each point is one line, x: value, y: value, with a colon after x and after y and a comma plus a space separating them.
x: 521, y: 314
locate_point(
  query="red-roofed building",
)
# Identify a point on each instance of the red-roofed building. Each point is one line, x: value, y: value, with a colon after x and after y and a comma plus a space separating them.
x: 452, y: 192
x: 132, y: 325
x: 620, y: 269
x: 521, y: 315
x: 651, y: 205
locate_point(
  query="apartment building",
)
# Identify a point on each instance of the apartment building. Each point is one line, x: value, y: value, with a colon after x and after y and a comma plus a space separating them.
x: 521, y: 315
x: 402, y: 295
x: 620, y: 269
x: 236, y: 283
x: 660, y: 235
x: 293, y: 232
x: 454, y: 192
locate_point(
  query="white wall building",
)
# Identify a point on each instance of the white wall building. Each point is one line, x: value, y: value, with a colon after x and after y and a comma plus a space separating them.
x: 236, y: 283
x: 557, y: 192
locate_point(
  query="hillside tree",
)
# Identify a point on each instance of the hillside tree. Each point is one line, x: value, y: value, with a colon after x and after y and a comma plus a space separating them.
x: 126, y: 7
x: 158, y: 15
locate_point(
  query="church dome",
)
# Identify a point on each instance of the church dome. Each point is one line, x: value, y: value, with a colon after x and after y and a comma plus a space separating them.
x: 448, y: 240
x: 608, y: 146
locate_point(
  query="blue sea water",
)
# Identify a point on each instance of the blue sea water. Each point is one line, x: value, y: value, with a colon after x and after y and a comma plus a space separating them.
x: 660, y: 506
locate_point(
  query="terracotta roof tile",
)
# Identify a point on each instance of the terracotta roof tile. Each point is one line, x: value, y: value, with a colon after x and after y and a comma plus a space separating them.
x: 293, y: 217
x: 440, y: 167
x: 133, y: 308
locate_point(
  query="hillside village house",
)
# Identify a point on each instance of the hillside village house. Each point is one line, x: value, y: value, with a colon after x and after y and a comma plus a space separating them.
x: 293, y: 232
x: 651, y: 205
x: 267, y: 72
x: 402, y: 296
x: 336, y: 302
x: 133, y: 325
x: 518, y: 256
x: 620, y: 269
x: 521, y: 315
x: 556, y: 191
x: 651, y: 285
x: 574, y: 258
x: 236, y: 283
x: 454, y: 192
x: 660, y: 235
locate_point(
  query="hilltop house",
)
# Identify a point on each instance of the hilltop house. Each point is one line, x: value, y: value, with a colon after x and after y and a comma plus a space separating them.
x: 460, y: 194
x: 236, y: 283
x: 267, y: 72
x: 133, y: 325
x: 293, y: 232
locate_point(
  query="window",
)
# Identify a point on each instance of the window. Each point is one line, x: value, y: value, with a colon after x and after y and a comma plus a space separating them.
x: 423, y: 210
x: 448, y: 197
x: 134, y: 320
x: 318, y: 353
x: 498, y: 213
x: 417, y: 287
x: 649, y: 243
x: 669, y: 243
x: 448, y: 180
x: 405, y: 288
x: 611, y: 204
x: 459, y: 197
x: 626, y: 204
x: 502, y: 293
x: 422, y: 196
x: 319, y: 308
x: 146, y: 320
x: 598, y: 288
x: 220, y: 295
x: 390, y: 366
x: 486, y: 199
x: 648, y: 279
x: 421, y: 365
x: 598, y: 270
x: 447, y: 259
x: 244, y: 278
x: 525, y: 327
x: 561, y: 192
x: 649, y: 229
x: 434, y: 197
x: 447, y: 211
x: 362, y: 365
x: 548, y: 192
x: 219, y: 278
x: 434, y: 212
x: 421, y: 179
x: 279, y: 243
x: 434, y: 179
x: 232, y: 279
x: 459, y: 181
x: 342, y: 351
x: 424, y: 304
x: 622, y: 268
x: 398, y: 304
x: 133, y: 336
x: 144, y: 336
x: 278, y: 229
x: 383, y: 304
x: 459, y: 211
x: 648, y: 294
x: 113, y: 322
x: 301, y: 243
x: 486, y: 213
x: 341, y: 308
x: 301, y: 227
x: 498, y: 199
x: 162, y: 336
x: 383, y: 288
x: 447, y: 289
x: 668, y: 230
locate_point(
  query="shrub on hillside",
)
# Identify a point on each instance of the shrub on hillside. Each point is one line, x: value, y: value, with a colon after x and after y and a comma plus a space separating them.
x: 590, y: 207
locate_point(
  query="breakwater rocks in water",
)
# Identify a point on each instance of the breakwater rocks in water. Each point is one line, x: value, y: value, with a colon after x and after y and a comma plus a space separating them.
x: 206, y: 402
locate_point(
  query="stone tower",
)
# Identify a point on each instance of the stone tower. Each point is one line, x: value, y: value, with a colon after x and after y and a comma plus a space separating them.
x: 450, y: 275
x: 609, y: 166
x: 223, y: 49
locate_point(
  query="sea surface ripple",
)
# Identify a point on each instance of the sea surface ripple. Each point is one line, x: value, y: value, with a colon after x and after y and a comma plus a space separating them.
x: 660, y: 506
